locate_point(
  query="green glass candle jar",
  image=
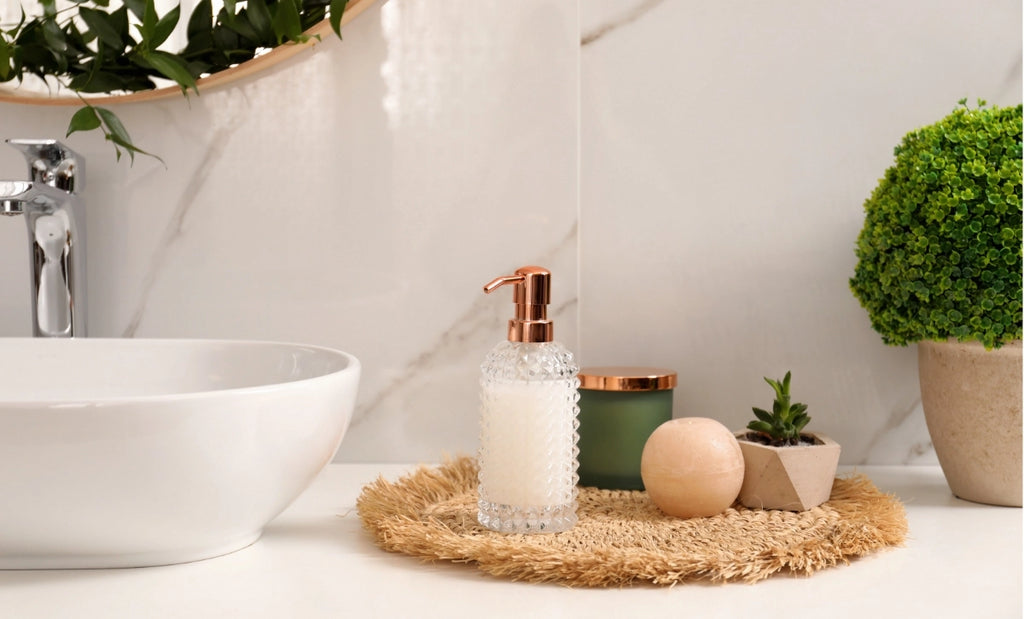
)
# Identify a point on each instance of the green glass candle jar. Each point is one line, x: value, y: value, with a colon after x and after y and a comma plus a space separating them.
x: 619, y: 409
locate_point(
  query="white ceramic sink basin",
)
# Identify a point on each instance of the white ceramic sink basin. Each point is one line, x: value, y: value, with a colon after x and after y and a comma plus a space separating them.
x: 125, y: 452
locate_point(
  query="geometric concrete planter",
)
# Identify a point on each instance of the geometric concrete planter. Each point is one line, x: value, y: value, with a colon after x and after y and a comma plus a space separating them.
x: 794, y: 477
x: 972, y: 404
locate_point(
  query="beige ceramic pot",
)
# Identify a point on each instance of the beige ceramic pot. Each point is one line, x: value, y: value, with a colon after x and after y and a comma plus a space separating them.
x: 972, y: 404
x: 794, y: 478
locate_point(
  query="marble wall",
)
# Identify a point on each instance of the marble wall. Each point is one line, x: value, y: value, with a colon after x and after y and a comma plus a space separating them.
x: 727, y: 149
x: 693, y: 174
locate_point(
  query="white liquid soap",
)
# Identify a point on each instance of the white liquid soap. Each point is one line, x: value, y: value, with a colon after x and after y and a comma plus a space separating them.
x: 528, y: 419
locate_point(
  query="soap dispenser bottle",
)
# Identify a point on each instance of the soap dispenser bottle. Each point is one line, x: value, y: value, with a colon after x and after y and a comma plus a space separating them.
x: 528, y: 424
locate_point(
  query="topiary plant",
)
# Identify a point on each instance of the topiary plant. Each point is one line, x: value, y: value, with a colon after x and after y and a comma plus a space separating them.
x: 939, y: 256
x: 782, y: 426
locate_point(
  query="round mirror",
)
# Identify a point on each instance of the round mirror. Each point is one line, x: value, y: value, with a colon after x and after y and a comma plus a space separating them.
x: 36, y: 91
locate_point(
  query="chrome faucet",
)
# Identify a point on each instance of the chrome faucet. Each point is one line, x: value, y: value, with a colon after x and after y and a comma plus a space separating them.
x: 55, y: 216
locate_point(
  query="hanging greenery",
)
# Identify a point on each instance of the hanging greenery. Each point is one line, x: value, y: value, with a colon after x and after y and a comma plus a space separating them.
x: 92, y: 47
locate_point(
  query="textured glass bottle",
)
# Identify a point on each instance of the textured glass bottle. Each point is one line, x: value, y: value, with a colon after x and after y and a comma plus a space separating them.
x: 528, y: 420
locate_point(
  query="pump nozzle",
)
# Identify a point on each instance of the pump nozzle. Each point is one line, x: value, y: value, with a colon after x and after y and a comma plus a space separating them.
x: 531, y: 292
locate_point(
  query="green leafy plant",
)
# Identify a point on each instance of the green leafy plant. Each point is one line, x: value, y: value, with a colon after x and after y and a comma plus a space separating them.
x: 939, y: 256
x: 783, y: 425
x: 93, y: 48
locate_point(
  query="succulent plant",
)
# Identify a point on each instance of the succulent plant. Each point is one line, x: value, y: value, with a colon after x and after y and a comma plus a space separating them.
x: 782, y: 426
x: 940, y: 253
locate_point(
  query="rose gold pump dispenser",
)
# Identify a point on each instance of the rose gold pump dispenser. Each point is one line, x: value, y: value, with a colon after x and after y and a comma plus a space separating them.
x: 531, y: 292
x: 528, y: 392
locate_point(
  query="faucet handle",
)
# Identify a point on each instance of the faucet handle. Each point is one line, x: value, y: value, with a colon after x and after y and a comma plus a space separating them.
x: 52, y: 163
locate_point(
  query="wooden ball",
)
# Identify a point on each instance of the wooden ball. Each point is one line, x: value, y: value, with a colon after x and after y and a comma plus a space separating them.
x: 691, y: 467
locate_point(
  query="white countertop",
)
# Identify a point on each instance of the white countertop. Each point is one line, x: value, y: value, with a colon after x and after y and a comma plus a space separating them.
x: 961, y: 560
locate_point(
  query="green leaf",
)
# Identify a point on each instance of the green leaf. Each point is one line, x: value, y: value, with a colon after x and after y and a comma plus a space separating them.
x: 337, y: 10
x: 137, y: 7
x: 171, y: 67
x: 199, y: 67
x: 113, y: 124
x: 165, y: 27
x: 85, y: 119
x: 119, y: 19
x: 780, y: 392
x: 101, y: 24
x: 117, y: 134
x: 763, y: 415
x: 258, y: 16
x: 243, y: 29
x: 148, y: 27
x: 132, y: 149
x: 286, y: 22
x: 201, y: 21
x: 100, y: 81
x: 5, y: 59
x: 225, y: 38
x: 762, y: 427
x: 77, y: 46
x: 54, y: 37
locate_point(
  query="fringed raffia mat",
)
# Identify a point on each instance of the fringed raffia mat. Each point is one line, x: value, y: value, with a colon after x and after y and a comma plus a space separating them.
x: 622, y: 538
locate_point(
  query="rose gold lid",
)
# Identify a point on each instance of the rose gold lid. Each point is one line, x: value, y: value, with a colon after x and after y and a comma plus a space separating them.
x: 618, y: 378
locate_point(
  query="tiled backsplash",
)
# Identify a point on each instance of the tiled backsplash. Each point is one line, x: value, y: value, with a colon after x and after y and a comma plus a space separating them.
x: 693, y: 174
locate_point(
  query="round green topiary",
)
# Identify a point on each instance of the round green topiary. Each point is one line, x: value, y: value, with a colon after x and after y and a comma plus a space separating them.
x: 940, y: 253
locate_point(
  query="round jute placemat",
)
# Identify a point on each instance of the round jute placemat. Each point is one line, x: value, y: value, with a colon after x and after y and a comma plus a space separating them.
x: 622, y: 538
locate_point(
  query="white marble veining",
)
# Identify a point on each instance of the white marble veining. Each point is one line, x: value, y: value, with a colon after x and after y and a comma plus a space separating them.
x: 693, y: 175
